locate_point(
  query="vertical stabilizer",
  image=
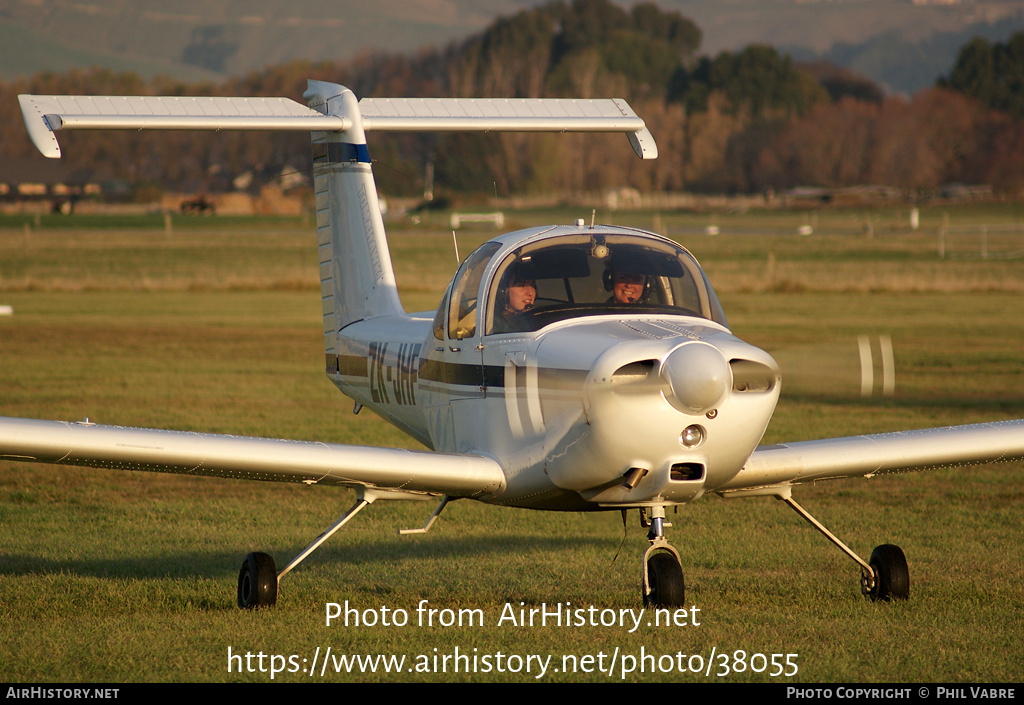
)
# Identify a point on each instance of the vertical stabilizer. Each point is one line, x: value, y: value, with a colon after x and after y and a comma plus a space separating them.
x: 356, y: 278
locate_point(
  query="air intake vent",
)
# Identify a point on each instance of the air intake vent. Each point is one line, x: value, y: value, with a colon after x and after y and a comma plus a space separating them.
x: 683, y: 472
x: 750, y: 376
x: 634, y: 372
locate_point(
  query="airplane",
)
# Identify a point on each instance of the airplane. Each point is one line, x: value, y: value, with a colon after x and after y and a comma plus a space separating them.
x: 571, y: 367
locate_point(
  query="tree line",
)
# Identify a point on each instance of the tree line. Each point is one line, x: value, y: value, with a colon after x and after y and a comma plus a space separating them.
x: 739, y: 122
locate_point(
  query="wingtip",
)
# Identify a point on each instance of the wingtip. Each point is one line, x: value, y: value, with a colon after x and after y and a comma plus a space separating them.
x: 643, y: 144
x: 39, y: 126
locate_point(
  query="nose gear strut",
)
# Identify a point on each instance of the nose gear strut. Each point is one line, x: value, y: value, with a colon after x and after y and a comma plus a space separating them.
x: 662, y: 582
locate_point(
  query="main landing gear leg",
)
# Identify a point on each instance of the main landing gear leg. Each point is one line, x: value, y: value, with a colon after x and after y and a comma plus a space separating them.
x: 662, y: 581
x: 258, y: 581
x: 884, y: 577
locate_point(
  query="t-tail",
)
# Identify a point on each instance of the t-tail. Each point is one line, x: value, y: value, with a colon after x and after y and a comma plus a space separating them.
x: 356, y: 274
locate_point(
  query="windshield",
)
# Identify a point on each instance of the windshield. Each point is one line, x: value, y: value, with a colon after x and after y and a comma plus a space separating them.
x: 584, y: 275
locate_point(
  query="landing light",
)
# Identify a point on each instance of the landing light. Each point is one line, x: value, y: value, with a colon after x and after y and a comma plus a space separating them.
x: 692, y: 436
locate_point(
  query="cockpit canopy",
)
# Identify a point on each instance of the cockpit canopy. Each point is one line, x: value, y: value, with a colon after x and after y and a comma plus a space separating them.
x: 583, y: 274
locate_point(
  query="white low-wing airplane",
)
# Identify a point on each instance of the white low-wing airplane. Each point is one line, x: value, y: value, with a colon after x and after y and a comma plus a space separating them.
x: 575, y: 368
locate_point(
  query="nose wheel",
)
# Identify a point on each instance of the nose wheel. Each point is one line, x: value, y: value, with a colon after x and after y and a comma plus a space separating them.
x: 662, y: 584
x: 665, y: 584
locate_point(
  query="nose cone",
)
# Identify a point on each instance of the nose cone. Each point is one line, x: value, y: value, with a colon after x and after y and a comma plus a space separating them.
x: 698, y: 376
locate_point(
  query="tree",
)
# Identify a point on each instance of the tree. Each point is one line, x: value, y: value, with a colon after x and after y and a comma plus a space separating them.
x: 756, y: 81
x: 828, y: 146
x: 840, y: 82
x: 991, y: 73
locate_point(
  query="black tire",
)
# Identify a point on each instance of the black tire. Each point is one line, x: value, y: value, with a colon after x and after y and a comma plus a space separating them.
x: 665, y: 576
x: 892, y: 577
x: 257, y: 582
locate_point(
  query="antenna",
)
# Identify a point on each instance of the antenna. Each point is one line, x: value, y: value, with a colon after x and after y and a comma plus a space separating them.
x: 456, y: 242
x: 593, y: 214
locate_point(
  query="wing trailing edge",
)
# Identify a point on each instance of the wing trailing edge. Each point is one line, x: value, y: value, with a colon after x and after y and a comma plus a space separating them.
x: 187, y: 453
x: 773, y: 469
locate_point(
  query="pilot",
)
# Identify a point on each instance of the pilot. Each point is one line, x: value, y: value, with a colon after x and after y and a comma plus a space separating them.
x: 626, y: 287
x: 514, y: 299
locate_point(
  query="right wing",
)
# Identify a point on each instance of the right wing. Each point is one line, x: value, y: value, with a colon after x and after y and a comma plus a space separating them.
x: 187, y: 453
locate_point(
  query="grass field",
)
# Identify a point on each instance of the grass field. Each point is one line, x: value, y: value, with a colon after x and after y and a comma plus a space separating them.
x: 118, y: 577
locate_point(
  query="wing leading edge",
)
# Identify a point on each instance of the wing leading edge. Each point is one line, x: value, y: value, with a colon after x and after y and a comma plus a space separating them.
x: 774, y: 469
x: 237, y: 457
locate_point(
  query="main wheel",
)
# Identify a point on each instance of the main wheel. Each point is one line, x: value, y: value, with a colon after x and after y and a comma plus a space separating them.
x: 257, y: 582
x: 892, y: 577
x: 665, y: 576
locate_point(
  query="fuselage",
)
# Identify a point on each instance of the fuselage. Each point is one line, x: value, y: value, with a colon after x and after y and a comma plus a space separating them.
x: 587, y: 402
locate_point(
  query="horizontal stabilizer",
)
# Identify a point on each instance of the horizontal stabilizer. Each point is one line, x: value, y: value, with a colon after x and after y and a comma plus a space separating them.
x: 186, y: 453
x: 44, y: 115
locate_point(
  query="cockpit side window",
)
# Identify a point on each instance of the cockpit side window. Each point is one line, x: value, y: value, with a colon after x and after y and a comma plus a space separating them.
x: 441, y: 316
x: 465, y: 289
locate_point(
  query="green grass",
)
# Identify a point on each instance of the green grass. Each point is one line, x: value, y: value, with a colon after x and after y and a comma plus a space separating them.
x: 111, y: 576
x: 156, y: 221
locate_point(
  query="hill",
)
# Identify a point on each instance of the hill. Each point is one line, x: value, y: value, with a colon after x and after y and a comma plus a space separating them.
x: 219, y: 38
x: 901, y: 44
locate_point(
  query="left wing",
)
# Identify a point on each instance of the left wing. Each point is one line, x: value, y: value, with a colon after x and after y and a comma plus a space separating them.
x: 772, y: 470
x: 186, y: 453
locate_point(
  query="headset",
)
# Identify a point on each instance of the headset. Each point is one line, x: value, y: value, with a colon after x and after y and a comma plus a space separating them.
x: 519, y: 272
